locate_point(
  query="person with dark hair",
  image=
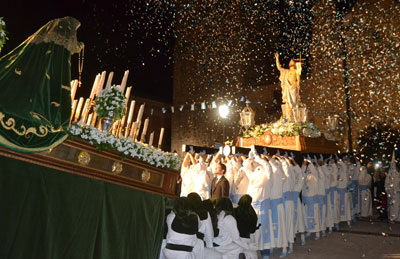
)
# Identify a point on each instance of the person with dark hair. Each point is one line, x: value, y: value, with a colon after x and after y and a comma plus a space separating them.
x: 246, y: 219
x: 183, y: 224
x: 209, y: 206
x: 204, y: 245
x: 219, y: 185
x: 228, y: 241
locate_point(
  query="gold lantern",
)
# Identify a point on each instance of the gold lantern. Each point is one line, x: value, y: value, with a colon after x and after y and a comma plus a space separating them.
x: 247, y: 117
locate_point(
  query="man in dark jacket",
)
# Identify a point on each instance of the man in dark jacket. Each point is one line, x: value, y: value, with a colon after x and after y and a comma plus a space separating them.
x: 219, y: 185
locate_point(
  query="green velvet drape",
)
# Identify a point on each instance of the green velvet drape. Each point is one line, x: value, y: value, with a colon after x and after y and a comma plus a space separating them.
x: 35, y: 97
x: 45, y: 213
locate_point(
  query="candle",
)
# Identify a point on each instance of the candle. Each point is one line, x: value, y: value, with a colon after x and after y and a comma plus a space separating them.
x: 89, y: 120
x: 140, y: 113
x: 78, y: 110
x: 101, y: 83
x: 128, y: 93
x: 161, y: 137
x: 131, y: 109
x: 132, y: 132
x: 109, y: 80
x: 85, y: 110
x: 74, y: 86
x: 74, y: 104
x: 145, y: 126
x: 124, y: 80
x: 96, y: 81
x: 151, y: 138
x: 94, y: 119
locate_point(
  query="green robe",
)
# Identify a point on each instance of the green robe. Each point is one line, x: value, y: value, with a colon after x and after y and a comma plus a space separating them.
x: 35, y: 102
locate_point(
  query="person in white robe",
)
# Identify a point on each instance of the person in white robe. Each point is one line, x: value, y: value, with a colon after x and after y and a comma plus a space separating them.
x: 201, y: 178
x: 310, y: 198
x: 228, y: 241
x: 334, y: 176
x: 182, y: 225
x: 187, y: 169
x: 240, y: 182
x: 300, y: 220
x: 320, y: 165
x: 279, y: 233
x: 259, y: 189
x: 364, y: 182
x: 288, y: 188
x: 329, y: 196
x: 356, y: 189
x: 344, y: 195
x: 204, y: 245
x: 392, y: 186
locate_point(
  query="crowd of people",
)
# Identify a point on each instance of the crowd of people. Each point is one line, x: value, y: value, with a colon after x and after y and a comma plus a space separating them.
x: 240, y: 206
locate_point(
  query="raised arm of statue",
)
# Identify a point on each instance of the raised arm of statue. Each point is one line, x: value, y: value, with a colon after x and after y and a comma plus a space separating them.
x: 278, y: 65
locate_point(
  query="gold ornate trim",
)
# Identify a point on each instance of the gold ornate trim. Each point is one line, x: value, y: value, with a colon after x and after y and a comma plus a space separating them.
x: 8, y: 144
x: 43, y: 130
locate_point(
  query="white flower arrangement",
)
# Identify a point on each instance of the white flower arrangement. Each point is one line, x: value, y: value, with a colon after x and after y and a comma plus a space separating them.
x: 3, y: 33
x: 126, y: 146
x: 111, y: 103
x: 284, y: 128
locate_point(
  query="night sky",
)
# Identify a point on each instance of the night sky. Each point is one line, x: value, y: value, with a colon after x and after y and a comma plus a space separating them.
x: 118, y: 35
x: 138, y: 35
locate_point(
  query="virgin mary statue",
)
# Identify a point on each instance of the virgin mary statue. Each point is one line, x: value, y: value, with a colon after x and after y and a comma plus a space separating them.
x: 35, y: 102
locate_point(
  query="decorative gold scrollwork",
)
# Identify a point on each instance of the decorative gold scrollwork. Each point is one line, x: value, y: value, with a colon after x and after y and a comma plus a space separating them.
x: 146, y: 175
x: 117, y: 167
x: 84, y: 158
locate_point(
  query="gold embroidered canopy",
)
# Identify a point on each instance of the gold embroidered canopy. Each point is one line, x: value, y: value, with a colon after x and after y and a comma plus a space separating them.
x: 35, y: 102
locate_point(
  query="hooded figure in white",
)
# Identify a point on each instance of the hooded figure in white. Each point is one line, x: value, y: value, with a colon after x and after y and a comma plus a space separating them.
x: 279, y: 233
x: 392, y: 186
x: 344, y: 195
x: 288, y: 188
x: 299, y: 214
x: 364, y: 182
x: 310, y: 198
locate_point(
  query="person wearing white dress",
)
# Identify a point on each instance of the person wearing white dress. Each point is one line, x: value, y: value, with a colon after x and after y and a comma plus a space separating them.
x: 278, y: 233
x: 288, y: 188
x: 204, y: 245
x: 259, y: 189
x: 300, y: 220
x: 344, y: 195
x: 334, y: 193
x: 183, y: 224
x: 240, y: 182
x: 321, y: 193
x: 329, y: 196
x: 392, y: 186
x: 364, y: 182
x: 247, y: 221
x: 310, y: 198
x: 228, y: 241
x: 187, y: 169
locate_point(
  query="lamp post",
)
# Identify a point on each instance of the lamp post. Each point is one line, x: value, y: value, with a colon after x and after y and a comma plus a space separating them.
x: 223, y: 111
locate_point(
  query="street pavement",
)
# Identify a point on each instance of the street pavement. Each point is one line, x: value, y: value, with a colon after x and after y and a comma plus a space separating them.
x: 366, y: 238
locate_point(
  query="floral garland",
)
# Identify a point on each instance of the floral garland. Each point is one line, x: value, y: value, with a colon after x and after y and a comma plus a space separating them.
x: 111, y: 103
x: 284, y: 128
x: 126, y: 146
x: 3, y: 33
